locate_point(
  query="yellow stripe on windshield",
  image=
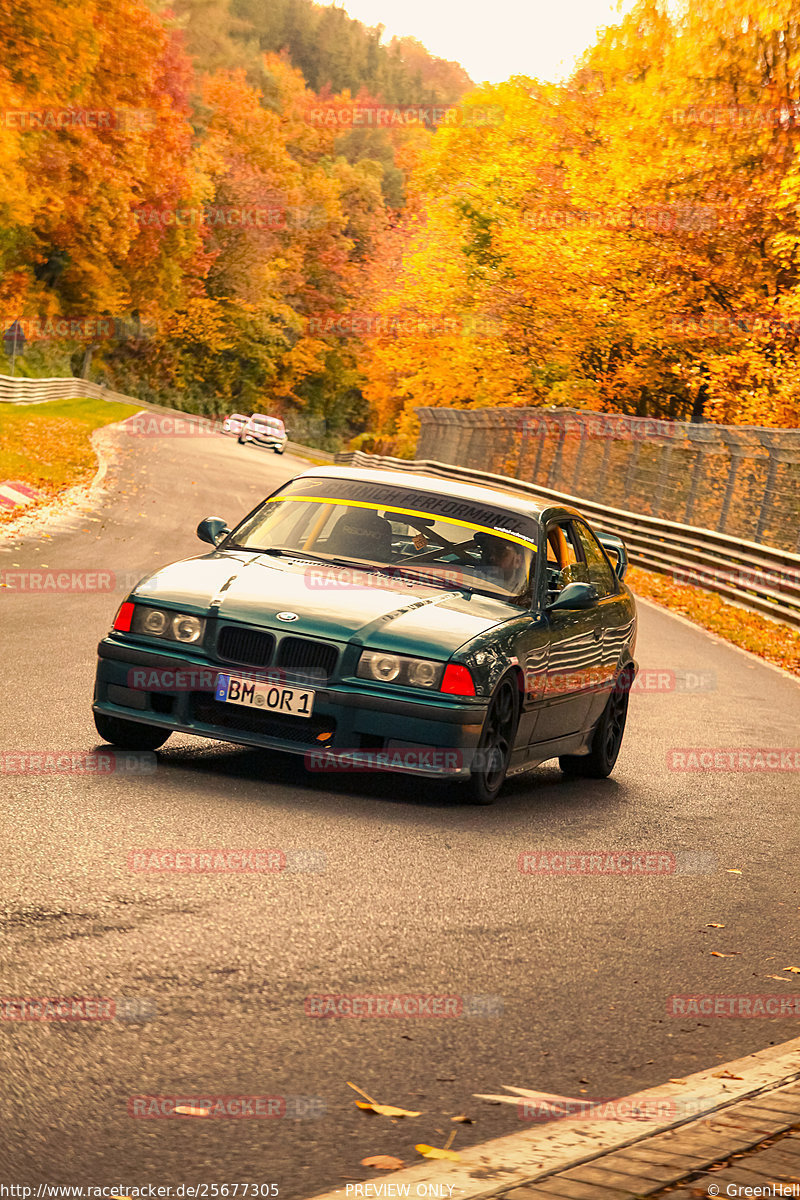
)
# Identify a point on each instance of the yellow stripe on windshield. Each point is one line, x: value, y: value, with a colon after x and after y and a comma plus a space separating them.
x: 412, y: 512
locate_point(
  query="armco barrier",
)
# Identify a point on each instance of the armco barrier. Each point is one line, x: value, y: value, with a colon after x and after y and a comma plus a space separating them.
x: 716, y: 560
x: 40, y: 391
x: 741, y: 480
x: 756, y: 576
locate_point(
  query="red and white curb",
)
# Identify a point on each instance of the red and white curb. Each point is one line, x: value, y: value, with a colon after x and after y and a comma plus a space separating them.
x: 495, y: 1167
x: 16, y: 495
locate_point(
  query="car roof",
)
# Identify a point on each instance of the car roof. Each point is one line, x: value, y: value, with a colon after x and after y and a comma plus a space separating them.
x: 534, y: 507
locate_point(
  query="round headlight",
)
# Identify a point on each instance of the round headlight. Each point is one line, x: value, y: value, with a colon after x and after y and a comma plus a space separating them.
x: 385, y: 667
x: 422, y: 674
x: 186, y: 629
x: 155, y: 621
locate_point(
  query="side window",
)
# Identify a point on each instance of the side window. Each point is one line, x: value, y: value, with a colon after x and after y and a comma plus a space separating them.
x: 565, y: 562
x: 599, y: 572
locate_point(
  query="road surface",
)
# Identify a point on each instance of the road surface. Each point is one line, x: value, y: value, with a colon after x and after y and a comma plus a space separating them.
x: 420, y: 894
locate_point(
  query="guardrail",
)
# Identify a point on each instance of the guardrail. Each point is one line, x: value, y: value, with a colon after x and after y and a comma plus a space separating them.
x: 755, y: 576
x: 742, y: 480
x: 40, y: 391
x: 14, y: 390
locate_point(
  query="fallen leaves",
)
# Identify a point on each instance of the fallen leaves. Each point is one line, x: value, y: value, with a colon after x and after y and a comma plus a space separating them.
x: 769, y: 640
x: 435, y: 1152
x: 387, y: 1162
x: 383, y: 1162
x: 794, y: 970
x: 527, y: 1094
x: 186, y: 1111
x: 714, y: 925
x: 48, y: 445
x: 726, y: 1074
x: 383, y: 1110
x: 386, y: 1110
x: 719, y: 954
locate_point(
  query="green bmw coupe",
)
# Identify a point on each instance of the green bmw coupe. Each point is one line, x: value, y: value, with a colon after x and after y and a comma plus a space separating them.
x: 384, y: 620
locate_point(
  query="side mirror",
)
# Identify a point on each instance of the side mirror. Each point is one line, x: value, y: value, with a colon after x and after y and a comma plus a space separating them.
x: 574, y: 596
x: 212, y: 530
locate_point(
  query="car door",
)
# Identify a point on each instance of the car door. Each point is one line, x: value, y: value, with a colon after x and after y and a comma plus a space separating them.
x: 613, y: 609
x: 575, y: 658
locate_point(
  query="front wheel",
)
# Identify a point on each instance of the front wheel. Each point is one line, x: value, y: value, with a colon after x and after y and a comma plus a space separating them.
x: 607, y: 740
x: 496, y: 743
x: 242, y: 439
x: 129, y: 735
x: 279, y: 449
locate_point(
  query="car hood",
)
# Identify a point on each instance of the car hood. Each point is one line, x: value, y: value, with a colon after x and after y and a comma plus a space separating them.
x: 344, y: 604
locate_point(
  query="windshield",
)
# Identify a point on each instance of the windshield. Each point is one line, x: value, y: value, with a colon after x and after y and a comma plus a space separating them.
x: 443, y: 551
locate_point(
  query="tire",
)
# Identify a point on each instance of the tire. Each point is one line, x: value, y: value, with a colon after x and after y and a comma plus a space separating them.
x: 496, y: 743
x: 279, y: 451
x: 242, y: 439
x: 129, y: 735
x: 608, y: 734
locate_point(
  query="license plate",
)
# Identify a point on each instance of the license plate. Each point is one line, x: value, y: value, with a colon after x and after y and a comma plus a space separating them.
x: 269, y: 697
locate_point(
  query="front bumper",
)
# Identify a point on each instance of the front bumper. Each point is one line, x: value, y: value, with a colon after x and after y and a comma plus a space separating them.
x: 270, y: 443
x: 351, y: 728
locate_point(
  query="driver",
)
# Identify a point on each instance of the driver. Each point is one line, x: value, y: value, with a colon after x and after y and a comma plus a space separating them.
x: 504, y: 562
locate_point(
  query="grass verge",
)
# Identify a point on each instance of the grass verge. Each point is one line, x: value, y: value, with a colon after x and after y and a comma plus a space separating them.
x: 771, y: 640
x: 48, y: 445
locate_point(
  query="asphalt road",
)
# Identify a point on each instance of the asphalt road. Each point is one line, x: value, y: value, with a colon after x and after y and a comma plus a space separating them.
x: 419, y: 894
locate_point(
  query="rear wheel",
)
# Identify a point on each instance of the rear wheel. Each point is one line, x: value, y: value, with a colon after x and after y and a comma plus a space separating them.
x: 496, y: 743
x: 607, y: 740
x: 242, y: 439
x: 129, y: 735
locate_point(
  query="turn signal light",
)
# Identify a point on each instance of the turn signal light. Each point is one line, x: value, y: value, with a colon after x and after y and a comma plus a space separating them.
x: 122, y: 621
x: 457, y: 681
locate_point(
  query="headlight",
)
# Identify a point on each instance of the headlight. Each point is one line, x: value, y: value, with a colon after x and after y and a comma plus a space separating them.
x: 399, y: 668
x: 186, y: 628
x: 155, y: 622
x: 172, y: 626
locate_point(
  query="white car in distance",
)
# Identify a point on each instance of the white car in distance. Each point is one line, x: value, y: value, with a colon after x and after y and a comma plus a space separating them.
x: 234, y: 423
x: 264, y: 431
